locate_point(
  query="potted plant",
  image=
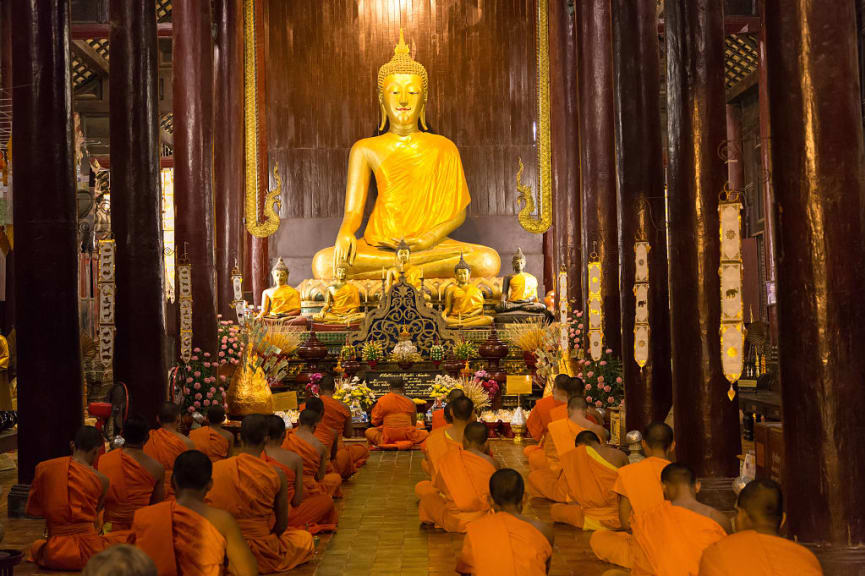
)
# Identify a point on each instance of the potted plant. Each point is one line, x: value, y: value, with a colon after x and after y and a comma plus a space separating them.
x: 348, y: 357
x: 437, y: 354
x: 372, y: 353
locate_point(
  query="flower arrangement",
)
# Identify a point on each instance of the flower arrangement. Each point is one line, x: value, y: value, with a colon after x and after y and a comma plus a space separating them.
x: 197, y: 385
x: 476, y: 393
x: 548, y: 353
x: 355, y: 390
x: 442, y: 386
x: 527, y: 336
x: 465, y: 350
x: 347, y: 352
x: 263, y: 349
x: 437, y: 353
x: 485, y: 380
x: 575, y: 329
x: 229, y: 345
x: 603, y: 380
x: 312, y: 383
x: 282, y: 340
x: 372, y: 352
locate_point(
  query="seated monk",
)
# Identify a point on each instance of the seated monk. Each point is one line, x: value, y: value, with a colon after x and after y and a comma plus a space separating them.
x: 464, y: 302
x: 336, y: 424
x: 166, y: 443
x: 314, y: 513
x: 756, y: 549
x: 542, y: 415
x: 639, y: 488
x: 302, y: 441
x: 672, y: 536
x: 440, y: 417
x: 341, y: 301
x: 394, y: 418
x: 186, y: 536
x: 460, y: 413
x: 588, y: 475
x: 213, y: 439
x: 136, y: 479
x: 69, y: 494
x: 506, y: 543
x: 461, y: 483
x: 256, y: 494
x: 280, y: 301
x: 548, y: 482
x: 120, y: 560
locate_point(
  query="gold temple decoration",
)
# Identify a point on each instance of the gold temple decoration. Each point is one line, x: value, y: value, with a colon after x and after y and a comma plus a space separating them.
x: 107, y: 252
x: 641, y: 303
x: 544, y: 219
x: 732, y: 329
x: 184, y: 293
x: 248, y: 392
x: 261, y: 221
x: 596, y: 308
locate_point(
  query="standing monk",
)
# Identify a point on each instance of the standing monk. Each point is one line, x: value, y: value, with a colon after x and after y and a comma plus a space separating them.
x: 395, y: 419
x: 461, y: 412
x: 639, y: 488
x: 335, y: 425
x: 186, y: 536
x: 756, y: 549
x: 213, y: 439
x: 69, y: 494
x: 256, y: 494
x: 588, y: 475
x: 314, y: 512
x: 166, y: 443
x: 136, y: 479
x: 440, y: 417
x: 302, y: 441
x: 461, y: 483
x: 506, y: 543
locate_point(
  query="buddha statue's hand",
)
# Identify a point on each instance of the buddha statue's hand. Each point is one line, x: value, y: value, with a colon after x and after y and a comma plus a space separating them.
x: 424, y: 242
x: 344, y: 249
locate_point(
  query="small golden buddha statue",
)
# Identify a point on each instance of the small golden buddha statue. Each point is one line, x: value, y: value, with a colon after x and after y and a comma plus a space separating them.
x: 520, y: 289
x: 403, y: 268
x: 464, y: 302
x: 422, y: 190
x: 341, y: 302
x: 280, y: 301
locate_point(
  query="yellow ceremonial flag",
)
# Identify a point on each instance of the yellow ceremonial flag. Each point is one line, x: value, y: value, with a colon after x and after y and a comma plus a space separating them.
x: 283, y: 401
x: 518, y: 384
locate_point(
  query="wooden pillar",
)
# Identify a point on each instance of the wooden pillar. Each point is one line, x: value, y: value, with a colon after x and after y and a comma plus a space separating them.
x: 598, y: 158
x: 707, y: 425
x: 735, y: 167
x: 817, y: 155
x: 641, y: 205
x: 6, y: 79
x: 193, y: 160
x: 45, y: 212
x: 136, y: 206
x: 228, y: 174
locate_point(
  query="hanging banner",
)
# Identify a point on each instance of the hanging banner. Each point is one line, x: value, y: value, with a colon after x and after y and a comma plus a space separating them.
x: 596, y: 311
x: 105, y: 285
x: 732, y: 330
x: 641, y: 303
x: 563, y: 312
x: 184, y: 293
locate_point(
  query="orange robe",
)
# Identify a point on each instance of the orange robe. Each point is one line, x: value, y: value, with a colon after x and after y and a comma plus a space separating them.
x: 549, y: 482
x: 331, y: 482
x: 246, y: 487
x: 589, y: 481
x: 550, y: 412
x: 164, y: 446
x: 131, y: 487
x: 67, y: 495
x: 214, y: 445
x: 393, y: 430
x: 438, y: 419
x: 316, y: 512
x: 179, y: 540
x: 501, y: 544
x: 640, y: 483
x: 349, y: 457
x: 437, y: 444
x: 462, y: 491
x: 672, y: 540
x: 750, y: 553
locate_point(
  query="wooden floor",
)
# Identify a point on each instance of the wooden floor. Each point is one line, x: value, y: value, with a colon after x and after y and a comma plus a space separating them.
x: 379, y: 531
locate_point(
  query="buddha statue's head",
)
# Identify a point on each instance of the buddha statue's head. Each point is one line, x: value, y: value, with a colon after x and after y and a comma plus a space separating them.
x: 341, y: 272
x: 279, y: 272
x: 519, y: 261
x: 402, y: 89
x: 462, y: 272
x: 403, y: 253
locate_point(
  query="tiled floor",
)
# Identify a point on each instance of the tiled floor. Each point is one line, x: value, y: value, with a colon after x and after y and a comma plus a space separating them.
x: 379, y: 531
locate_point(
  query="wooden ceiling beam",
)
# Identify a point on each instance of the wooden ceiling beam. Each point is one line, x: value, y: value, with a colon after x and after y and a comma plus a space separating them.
x: 90, y: 57
x: 86, y: 30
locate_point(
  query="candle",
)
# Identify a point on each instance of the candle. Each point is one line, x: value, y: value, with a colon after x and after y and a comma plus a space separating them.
x: 382, y: 273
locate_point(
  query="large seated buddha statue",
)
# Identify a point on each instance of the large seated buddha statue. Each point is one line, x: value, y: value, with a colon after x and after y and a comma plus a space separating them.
x: 464, y: 302
x: 422, y: 190
x: 280, y: 301
x: 341, y: 301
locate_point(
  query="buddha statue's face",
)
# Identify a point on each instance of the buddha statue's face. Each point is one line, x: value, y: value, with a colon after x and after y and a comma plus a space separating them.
x: 403, y: 256
x: 402, y: 98
x: 280, y: 277
x: 519, y: 265
x: 341, y: 273
x: 462, y: 276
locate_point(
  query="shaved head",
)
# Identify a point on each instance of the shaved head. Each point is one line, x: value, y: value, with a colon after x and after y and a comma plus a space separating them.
x: 216, y: 414
x: 326, y: 384
x: 563, y: 383
x: 88, y: 438
x: 254, y: 430
x: 586, y: 438
x: 452, y: 395
x: 577, y: 403
x: 192, y: 471
x: 397, y: 384
x: 678, y: 474
x: 475, y: 435
x: 275, y: 427
x: 763, y: 502
x: 169, y: 413
x: 309, y: 418
x: 315, y: 404
x: 462, y: 408
x: 658, y: 436
x: 507, y: 487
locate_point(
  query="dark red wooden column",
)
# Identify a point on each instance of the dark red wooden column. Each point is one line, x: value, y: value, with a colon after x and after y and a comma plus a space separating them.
x: 6, y: 79
x: 818, y: 175
x: 45, y: 212
x: 598, y: 158
x: 228, y: 176
x: 707, y: 425
x: 136, y: 206
x: 641, y: 204
x: 193, y: 159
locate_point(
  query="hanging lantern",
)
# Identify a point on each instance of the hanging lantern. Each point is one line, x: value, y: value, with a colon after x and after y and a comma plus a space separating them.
x: 596, y: 309
x: 732, y: 330
x: 563, y: 312
x: 641, y: 304
x: 184, y: 293
x: 106, y: 287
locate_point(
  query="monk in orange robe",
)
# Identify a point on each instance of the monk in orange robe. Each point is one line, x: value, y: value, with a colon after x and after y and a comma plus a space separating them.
x: 589, y: 473
x: 166, y: 443
x: 136, y: 479
x: 756, y: 549
x: 542, y: 415
x: 460, y: 413
x: 335, y: 425
x: 506, y: 543
x: 395, y: 419
x: 315, y: 513
x: 186, y: 536
x: 302, y: 441
x: 256, y: 494
x: 440, y: 416
x: 461, y: 484
x: 69, y: 494
x: 672, y: 536
x: 213, y: 439
x: 639, y: 488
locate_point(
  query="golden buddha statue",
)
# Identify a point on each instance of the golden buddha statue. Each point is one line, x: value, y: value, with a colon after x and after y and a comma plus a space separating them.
x: 280, y: 301
x: 520, y: 290
x: 422, y: 190
x: 464, y: 302
x: 341, y: 302
x: 403, y: 268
